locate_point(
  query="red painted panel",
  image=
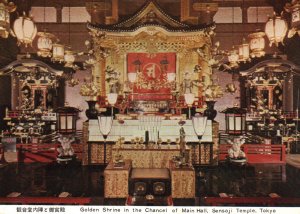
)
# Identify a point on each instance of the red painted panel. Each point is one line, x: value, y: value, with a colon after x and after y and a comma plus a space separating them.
x: 151, y: 72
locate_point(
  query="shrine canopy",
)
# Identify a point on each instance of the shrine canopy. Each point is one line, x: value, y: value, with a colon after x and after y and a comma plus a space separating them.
x: 150, y: 15
x: 153, y: 45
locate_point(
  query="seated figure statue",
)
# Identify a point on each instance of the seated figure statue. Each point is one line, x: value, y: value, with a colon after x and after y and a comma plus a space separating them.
x: 66, y: 149
x: 235, y: 151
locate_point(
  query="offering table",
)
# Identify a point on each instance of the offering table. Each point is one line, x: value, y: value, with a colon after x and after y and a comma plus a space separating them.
x: 116, y: 180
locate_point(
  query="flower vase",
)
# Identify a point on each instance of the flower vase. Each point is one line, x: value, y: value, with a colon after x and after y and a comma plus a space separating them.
x: 91, y: 112
x: 210, y: 112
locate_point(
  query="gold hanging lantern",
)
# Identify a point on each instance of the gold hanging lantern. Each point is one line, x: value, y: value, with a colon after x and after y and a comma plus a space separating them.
x: 44, y: 44
x: 5, y: 9
x: 294, y: 9
x: 233, y: 58
x: 275, y: 29
x: 257, y: 44
x: 25, y: 30
x: 69, y: 58
x: 244, y: 51
x: 58, y: 52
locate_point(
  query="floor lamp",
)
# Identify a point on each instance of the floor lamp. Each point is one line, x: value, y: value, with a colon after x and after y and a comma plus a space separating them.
x: 105, y: 124
x: 112, y: 100
x: 199, y: 124
x: 189, y: 100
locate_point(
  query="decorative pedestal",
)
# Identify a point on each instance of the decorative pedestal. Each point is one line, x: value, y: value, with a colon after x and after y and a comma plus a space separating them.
x: 201, y: 154
x: 183, y: 181
x: 116, y: 180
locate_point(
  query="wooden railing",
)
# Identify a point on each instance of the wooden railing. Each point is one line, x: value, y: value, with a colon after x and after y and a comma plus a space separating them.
x: 257, y: 153
x: 46, y: 200
x: 240, y: 201
x: 45, y: 153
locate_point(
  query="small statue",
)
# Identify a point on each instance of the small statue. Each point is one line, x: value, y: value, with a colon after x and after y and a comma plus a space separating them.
x: 184, y: 155
x: 235, y: 151
x: 188, y: 84
x: 66, y: 149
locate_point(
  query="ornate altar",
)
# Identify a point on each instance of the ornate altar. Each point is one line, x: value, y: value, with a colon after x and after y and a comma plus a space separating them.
x: 98, y: 152
x: 149, y: 61
x: 152, y: 68
x: 35, y: 95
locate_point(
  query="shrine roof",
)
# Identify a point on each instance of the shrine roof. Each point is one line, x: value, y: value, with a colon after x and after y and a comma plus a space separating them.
x: 150, y: 15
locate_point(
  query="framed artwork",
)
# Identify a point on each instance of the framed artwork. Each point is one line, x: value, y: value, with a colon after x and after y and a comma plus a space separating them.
x: 152, y: 73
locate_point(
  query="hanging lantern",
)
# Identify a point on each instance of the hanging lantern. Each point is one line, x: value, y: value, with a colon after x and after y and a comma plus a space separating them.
x: 5, y: 9
x: 171, y: 77
x: 257, y: 44
x: 58, y: 52
x: 233, y: 58
x: 69, y: 58
x: 44, y: 44
x: 25, y: 30
x: 294, y: 9
x: 235, y: 120
x: 276, y: 28
x: 244, y: 51
x: 132, y: 77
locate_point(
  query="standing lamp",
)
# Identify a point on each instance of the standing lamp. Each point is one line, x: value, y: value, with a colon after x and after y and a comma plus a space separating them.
x: 105, y: 124
x: 112, y: 100
x: 66, y: 120
x: 199, y: 124
x: 235, y: 119
x: 189, y: 100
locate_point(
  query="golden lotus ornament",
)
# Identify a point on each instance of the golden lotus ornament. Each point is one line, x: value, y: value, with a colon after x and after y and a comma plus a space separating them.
x: 231, y: 88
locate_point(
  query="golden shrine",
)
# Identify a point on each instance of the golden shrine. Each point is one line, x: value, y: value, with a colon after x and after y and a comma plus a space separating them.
x: 147, y: 63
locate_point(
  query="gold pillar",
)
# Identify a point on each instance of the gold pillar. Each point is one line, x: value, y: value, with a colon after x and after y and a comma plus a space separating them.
x: 98, y: 73
x: 215, y: 142
x: 85, y: 139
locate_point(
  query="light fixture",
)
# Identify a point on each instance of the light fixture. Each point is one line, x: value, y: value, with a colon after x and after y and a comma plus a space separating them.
x: 275, y: 29
x: 294, y: 9
x: 132, y: 77
x: 66, y: 119
x: 69, y: 55
x: 257, y: 44
x: 5, y: 9
x: 171, y: 77
x: 233, y: 58
x: 58, y: 52
x: 105, y: 124
x: 69, y: 58
x: 199, y: 124
x: 244, y: 51
x: 112, y: 100
x: 235, y: 119
x: 189, y: 100
x: 44, y: 44
x: 25, y: 30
